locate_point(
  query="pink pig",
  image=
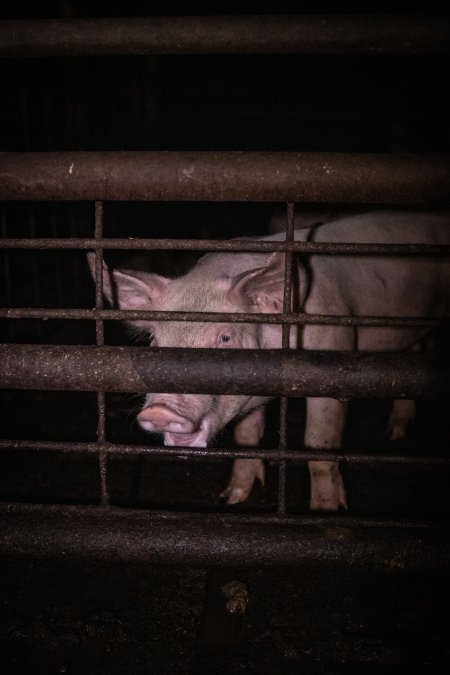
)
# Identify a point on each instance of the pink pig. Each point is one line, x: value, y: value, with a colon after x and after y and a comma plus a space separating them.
x: 254, y: 282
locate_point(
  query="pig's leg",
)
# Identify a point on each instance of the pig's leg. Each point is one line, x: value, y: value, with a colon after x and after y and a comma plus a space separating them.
x: 403, y: 413
x: 324, y: 425
x: 247, y: 432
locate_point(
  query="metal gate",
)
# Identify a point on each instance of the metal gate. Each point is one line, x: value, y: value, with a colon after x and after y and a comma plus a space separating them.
x: 222, y: 538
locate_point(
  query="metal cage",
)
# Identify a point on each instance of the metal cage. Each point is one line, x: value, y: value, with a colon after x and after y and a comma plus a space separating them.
x: 352, y: 178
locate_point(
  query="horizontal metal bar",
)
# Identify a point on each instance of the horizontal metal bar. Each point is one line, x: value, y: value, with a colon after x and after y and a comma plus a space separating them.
x: 227, y: 176
x: 298, y: 318
x: 221, y: 539
x: 269, y: 372
x: 305, y: 247
x: 374, y: 33
x: 212, y: 452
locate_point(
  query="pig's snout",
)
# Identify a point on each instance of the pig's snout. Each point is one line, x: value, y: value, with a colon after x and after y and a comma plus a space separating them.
x: 160, y: 418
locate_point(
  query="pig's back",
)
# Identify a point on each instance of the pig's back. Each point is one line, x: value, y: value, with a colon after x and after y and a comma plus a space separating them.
x: 389, y: 227
x: 373, y: 227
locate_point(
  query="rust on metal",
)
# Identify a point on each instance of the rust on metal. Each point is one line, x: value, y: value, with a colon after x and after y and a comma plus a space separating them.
x: 268, y: 372
x: 287, y: 306
x: 227, y: 176
x: 228, y: 245
x: 298, y: 318
x: 222, y: 539
x: 212, y: 452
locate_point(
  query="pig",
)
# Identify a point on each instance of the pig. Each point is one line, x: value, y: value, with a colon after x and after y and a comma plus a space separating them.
x: 324, y: 284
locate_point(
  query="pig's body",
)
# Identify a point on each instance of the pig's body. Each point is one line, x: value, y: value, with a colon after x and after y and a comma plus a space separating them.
x: 349, y: 285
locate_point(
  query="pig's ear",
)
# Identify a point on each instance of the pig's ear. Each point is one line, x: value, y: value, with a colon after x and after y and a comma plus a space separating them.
x: 262, y: 287
x: 138, y: 290
x: 130, y: 289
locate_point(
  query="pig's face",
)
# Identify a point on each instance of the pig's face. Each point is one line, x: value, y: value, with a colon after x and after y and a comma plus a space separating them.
x: 191, y: 419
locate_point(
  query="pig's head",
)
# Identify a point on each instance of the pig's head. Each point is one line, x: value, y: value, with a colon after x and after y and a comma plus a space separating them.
x: 192, y: 419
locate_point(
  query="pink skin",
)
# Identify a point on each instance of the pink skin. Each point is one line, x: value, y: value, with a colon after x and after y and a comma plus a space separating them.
x: 249, y: 282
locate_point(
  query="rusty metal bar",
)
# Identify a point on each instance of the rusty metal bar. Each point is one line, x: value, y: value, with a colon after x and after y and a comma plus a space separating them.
x: 227, y: 176
x: 99, y: 329
x: 276, y: 34
x: 288, y: 268
x: 100, y: 339
x: 268, y: 372
x: 174, y: 452
x: 222, y: 539
x: 298, y: 318
x: 287, y: 306
x: 228, y: 245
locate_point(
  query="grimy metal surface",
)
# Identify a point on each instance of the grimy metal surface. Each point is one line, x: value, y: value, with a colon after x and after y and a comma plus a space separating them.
x: 285, y: 318
x: 418, y: 179
x: 375, y: 33
x: 74, y: 532
x: 212, y: 452
x: 268, y: 372
x: 306, y: 247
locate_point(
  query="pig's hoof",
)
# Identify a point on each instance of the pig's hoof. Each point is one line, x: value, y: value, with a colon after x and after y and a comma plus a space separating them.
x: 245, y: 472
x: 236, y: 493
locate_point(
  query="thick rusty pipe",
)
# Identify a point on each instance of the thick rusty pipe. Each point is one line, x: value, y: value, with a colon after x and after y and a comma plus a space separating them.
x: 227, y: 176
x: 269, y: 372
x: 221, y: 539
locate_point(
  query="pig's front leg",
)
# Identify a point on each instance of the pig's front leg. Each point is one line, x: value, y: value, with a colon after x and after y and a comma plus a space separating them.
x: 324, y: 425
x: 247, y: 432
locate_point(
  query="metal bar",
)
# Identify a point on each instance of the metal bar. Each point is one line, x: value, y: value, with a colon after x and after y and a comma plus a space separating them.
x: 287, y: 306
x: 229, y: 245
x: 227, y: 176
x: 276, y: 34
x: 264, y: 372
x: 174, y: 452
x: 100, y: 339
x: 221, y: 539
x: 211, y: 317
x: 99, y: 329
x: 287, y: 295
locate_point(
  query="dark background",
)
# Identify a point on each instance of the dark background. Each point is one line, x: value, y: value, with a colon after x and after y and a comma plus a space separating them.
x: 261, y: 102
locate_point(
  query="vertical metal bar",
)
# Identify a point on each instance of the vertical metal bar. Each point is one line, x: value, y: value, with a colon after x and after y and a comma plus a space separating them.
x: 281, y: 507
x: 100, y: 340
x: 98, y: 235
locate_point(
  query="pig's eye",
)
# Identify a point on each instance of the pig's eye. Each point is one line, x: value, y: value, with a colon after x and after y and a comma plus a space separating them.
x: 226, y: 339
